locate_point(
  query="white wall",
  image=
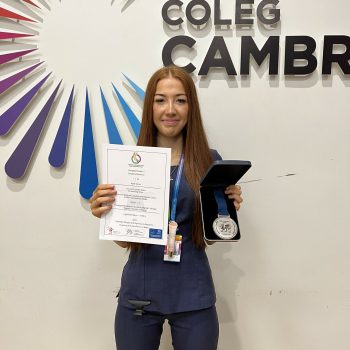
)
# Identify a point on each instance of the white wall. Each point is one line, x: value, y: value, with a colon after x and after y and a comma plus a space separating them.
x: 285, y: 285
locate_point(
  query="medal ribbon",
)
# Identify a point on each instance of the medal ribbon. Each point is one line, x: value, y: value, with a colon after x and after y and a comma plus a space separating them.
x: 176, y: 189
x: 221, y: 202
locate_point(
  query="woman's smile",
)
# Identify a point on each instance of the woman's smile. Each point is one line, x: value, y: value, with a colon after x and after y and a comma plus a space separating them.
x: 170, y: 122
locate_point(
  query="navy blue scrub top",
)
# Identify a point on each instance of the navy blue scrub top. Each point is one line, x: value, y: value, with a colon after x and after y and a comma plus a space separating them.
x: 171, y: 287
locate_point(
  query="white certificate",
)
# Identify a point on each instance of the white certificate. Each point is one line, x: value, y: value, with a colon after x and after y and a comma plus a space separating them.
x: 141, y: 176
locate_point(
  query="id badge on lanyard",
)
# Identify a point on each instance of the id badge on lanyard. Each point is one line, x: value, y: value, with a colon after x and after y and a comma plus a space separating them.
x: 172, y: 251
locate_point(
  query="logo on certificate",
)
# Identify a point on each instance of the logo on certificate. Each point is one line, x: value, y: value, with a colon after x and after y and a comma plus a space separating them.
x: 155, y: 233
x: 136, y: 158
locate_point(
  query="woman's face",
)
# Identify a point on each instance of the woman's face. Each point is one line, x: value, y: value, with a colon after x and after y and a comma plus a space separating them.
x: 170, y: 107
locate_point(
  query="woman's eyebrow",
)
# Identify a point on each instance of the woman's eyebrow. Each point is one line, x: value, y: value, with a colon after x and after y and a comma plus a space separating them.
x: 160, y: 94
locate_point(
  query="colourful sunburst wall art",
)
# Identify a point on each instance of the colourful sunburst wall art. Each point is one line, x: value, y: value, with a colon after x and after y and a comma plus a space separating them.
x: 19, y: 23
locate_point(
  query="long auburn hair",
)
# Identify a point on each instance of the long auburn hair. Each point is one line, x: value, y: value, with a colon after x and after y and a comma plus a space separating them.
x: 197, y: 156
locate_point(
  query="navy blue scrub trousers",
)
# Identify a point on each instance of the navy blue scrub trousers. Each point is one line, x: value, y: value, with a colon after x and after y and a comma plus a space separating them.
x: 193, y: 330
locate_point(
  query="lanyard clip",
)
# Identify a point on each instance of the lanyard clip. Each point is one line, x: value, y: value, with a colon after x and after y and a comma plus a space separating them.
x: 139, y: 306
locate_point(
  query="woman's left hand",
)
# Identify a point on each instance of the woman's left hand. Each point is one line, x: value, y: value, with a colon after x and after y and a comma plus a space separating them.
x: 234, y: 192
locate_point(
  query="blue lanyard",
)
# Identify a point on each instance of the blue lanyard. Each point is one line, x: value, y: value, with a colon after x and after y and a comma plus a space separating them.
x: 176, y: 189
x: 220, y: 201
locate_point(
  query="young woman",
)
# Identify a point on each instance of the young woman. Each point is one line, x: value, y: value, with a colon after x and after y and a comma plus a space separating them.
x: 181, y: 292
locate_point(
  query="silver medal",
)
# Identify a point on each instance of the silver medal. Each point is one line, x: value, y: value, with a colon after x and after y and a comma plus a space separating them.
x: 224, y: 227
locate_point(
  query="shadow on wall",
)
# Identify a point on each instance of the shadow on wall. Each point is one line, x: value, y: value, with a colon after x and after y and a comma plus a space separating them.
x: 294, y: 82
x: 126, y: 5
x: 226, y: 287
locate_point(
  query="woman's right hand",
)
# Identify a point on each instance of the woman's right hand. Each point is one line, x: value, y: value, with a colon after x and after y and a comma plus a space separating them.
x: 102, y: 199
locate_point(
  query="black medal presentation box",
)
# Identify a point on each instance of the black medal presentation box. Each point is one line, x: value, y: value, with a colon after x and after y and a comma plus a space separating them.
x: 219, y: 216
